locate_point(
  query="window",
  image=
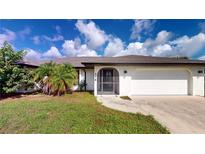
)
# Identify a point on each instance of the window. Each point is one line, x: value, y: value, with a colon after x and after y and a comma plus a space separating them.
x: 200, y: 71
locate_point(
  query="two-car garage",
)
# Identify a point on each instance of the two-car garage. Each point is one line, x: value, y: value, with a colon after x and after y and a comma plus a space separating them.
x: 160, y: 82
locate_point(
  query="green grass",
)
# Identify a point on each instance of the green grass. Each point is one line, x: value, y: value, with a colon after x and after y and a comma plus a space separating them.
x: 75, y: 113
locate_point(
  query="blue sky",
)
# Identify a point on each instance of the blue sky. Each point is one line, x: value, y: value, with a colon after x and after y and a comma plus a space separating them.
x: 48, y: 39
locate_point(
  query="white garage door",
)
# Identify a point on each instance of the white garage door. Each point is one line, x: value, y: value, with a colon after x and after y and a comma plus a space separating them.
x: 160, y: 82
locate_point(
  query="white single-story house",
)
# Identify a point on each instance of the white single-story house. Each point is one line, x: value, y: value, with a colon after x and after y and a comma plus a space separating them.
x: 139, y: 75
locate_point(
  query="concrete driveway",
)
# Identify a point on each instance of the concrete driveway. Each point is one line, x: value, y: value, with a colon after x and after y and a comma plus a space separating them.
x: 180, y: 114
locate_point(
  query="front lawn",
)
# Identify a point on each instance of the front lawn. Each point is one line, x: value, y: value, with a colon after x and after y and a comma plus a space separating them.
x: 75, y: 113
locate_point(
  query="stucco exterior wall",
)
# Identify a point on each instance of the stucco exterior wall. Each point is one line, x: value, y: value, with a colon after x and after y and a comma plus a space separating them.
x: 195, y: 80
x: 89, y: 78
x: 81, y: 75
x: 198, y: 81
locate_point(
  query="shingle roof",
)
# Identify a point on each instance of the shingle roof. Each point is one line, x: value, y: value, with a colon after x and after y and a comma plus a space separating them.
x: 145, y: 60
x: 29, y: 63
x: 131, y: 59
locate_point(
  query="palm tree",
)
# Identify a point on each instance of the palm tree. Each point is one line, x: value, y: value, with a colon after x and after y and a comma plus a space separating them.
x: 42, y: 76
x: 56, y: 79
x: 63, y: 79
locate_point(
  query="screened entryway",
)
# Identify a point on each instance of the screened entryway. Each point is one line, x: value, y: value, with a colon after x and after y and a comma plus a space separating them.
x: 108, y: 81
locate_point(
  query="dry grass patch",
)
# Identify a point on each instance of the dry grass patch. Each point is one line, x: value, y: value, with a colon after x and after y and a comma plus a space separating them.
x: 125, y: 97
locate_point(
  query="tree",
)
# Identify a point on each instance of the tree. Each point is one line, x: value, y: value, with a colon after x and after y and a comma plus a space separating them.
x: 43, y: 74
x: 12, y: 76
x: 56, y: 79
x: 63, y: 79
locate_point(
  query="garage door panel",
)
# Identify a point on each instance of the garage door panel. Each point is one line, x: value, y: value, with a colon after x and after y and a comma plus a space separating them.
x: 160, y: 82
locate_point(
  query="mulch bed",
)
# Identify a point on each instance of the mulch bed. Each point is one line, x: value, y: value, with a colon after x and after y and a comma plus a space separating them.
x: 16, y: 95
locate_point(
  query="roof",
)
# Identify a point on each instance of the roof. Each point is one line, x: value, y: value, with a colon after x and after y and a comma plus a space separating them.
x: 131, y: 59
x: 29, y: 63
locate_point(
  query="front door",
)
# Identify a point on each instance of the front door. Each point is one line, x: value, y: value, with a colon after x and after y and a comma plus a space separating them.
x: 107, y: 79
x: 108, y: 82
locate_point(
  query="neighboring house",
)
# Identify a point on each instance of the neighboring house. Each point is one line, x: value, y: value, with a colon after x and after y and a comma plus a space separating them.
x: 139, y: 75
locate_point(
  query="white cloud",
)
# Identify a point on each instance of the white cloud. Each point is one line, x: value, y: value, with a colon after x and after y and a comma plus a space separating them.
x: 161, y: 38
x: 162, y: 45
x: 202, y: 57
x: 95, y: 37
x: 54, y: 38
x: 149, y: 47
x: 52, y: 53
x: 162, y: 50
x: 23, y: 33
x: 36, y: 39
x: 58, y: 29
x: 32, y: 55
x: 7, y: 35
x: 85, y: 51
x: 74, y: 48
x: 69, y: 48
x: 188, y: 46
x: 114, y: 46
x: 142, y: 27
x: 135, y: 48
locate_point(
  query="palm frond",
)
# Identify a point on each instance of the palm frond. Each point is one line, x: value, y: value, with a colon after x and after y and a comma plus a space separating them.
x: 56, y: 79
